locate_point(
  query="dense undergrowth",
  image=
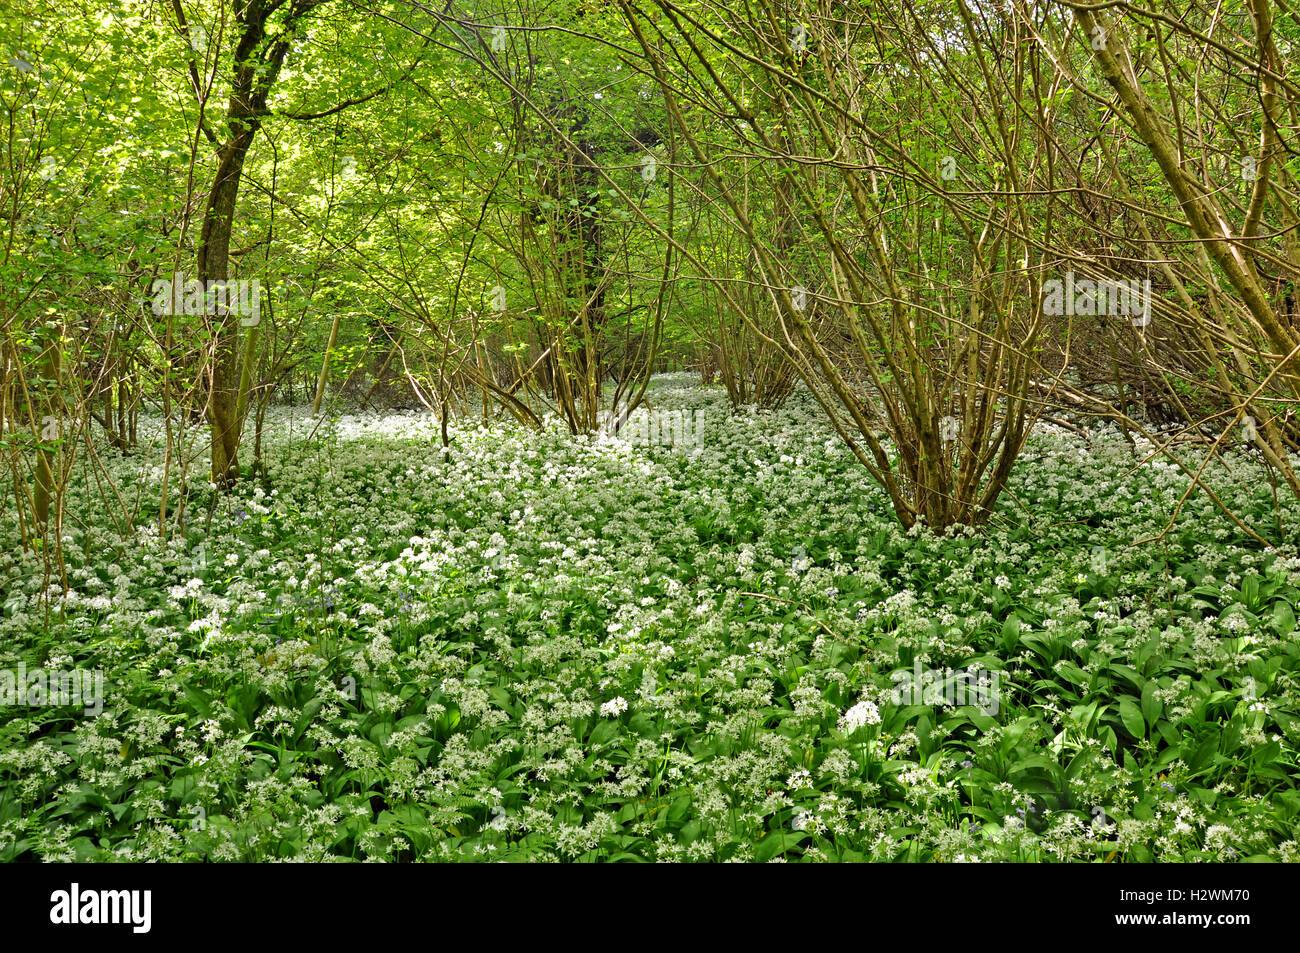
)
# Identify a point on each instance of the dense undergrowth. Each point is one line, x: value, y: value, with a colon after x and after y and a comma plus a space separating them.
x: 573, y: 648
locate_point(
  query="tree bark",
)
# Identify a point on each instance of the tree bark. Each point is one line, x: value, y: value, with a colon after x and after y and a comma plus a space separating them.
x: 256, y: 67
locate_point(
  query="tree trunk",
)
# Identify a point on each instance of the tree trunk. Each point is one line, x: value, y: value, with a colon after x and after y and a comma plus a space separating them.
x: 256, y: 67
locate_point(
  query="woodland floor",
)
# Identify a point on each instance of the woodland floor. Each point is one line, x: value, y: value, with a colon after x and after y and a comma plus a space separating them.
x: 573, y: 648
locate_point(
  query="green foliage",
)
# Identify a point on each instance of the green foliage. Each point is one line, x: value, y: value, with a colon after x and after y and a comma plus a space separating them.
x: 551, y: 648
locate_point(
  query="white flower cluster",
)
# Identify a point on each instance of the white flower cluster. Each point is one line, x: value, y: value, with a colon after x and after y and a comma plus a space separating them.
x: 863, y: 713
x: 614, y: 707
